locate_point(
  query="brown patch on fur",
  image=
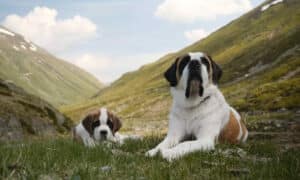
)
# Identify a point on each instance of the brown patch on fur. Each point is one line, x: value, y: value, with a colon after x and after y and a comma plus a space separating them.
x: 210, y: 67
x: 117, y: 124
x: 88, y: 121
x: 231, y: 131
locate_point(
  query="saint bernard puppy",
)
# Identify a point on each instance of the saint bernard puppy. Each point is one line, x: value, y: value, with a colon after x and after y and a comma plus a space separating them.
x: 199, y: 109
x: 97, y: 126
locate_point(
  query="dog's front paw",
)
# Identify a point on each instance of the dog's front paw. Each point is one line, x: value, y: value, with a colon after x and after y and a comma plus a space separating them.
x: 152, y: 152
x: 168, y: 154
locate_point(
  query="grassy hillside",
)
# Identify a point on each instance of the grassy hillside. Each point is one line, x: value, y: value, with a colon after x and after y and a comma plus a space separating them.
x: 259, y: 53
x: 25, y: 116
x: 40, y: 73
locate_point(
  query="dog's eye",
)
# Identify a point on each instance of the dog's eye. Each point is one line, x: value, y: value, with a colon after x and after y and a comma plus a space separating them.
x: 206, y: 63
x: 110, y: 124
x: 183, y: 63
x: 95, y: 124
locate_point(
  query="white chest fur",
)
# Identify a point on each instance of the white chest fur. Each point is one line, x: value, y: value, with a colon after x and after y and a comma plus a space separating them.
x: 200, y: 113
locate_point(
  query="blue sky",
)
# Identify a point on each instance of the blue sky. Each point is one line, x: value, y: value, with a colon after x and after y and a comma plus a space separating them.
x: 111, y: 37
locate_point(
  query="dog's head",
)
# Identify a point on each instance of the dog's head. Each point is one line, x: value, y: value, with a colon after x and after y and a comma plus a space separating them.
x: 193, y: 72
x: 102, y: 124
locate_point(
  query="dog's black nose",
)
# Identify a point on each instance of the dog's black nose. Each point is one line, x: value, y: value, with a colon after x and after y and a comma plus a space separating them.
x: 103, y: 133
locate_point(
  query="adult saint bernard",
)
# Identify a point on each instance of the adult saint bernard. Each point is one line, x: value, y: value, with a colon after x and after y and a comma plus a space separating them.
x: 199, y: 109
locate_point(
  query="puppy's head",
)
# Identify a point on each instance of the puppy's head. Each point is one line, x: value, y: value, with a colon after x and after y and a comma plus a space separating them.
x: 193, y: 72
x: 107, y: 125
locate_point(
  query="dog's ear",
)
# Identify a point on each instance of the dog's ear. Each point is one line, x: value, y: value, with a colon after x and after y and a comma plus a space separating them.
x: 170, y: 74
x: 91, y: 121
x: 216, y: 71
x: 117, y: 124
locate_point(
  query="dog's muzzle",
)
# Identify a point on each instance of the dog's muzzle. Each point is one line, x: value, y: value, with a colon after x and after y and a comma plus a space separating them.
x: 103, y: 134
x: 194, y: 83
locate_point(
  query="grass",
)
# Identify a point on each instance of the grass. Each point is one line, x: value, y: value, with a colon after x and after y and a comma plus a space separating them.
x: 62, y: 158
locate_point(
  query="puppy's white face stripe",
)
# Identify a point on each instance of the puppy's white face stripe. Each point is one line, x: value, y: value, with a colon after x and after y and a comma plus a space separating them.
x: 103, y: 116
x: 103, y: 126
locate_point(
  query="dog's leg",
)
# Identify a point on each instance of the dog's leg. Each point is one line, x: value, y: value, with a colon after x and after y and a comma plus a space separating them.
x: 175, y: 134
x: 206, y: 136
x: 121, y: 138
x: 205, y: 141
x: 118, y: 138
x: 184, y: 148
x: 168, y: 142
x: 89, y: 142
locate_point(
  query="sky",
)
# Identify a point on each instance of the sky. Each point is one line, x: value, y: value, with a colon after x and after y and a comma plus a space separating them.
x: 111, y: 37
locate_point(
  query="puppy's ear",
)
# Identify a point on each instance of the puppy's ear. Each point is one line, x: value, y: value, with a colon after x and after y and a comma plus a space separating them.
x: 216, y: 71
x: 90, y: 122
x: 117, y: 124
x: 170, y: 74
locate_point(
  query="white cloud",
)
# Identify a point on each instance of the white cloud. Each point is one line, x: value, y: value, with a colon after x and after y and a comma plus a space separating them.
x: 109, y: 68
x: 188, y: 11
x: 42, y: 26
x: 196, y: 34
x: 93, y: 64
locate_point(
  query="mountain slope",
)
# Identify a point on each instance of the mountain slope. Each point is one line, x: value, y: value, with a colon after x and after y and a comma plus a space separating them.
x: 23, y: 115
x: 40, y: 73
x: 258, y: 52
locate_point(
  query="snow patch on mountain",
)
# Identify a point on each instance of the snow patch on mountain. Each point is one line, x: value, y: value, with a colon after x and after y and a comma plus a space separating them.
x: 4, y: 31
x: 265, y: 7
x: 32, y: 47
x: 23, y: 46
x: 40, y: 61
x: 27, y: 40
x: 16, y: 48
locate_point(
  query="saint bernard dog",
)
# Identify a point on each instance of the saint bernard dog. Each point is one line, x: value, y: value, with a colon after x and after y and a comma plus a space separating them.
x: 199, y: 109
x: 97, y: 126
